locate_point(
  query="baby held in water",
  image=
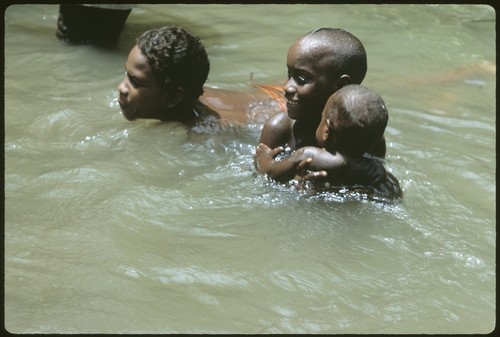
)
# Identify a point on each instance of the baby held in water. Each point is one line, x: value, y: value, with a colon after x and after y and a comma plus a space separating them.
x: 352, y: 123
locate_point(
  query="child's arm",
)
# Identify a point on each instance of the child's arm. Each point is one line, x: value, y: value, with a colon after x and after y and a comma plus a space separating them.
x: 284, y: 170
x: 265, y: 163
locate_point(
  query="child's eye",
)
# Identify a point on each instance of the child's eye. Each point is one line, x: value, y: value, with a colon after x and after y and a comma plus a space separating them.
x: 135, y: 83
x: 300, y: 79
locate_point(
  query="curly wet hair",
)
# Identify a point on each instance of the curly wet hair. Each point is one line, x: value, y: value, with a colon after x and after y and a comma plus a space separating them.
x: 177, y: 58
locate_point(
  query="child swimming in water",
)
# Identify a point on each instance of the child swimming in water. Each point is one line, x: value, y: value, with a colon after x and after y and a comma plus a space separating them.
x: 164, y: 79
x: 353, y: 121
x: 165, y: 73
x: 319, y: 63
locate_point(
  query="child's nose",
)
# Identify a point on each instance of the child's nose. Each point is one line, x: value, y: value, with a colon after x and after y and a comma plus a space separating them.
x: 289, y: 89
x: 122, y: 87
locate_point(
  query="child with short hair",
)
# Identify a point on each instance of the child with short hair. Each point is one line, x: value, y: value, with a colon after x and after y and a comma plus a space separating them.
x: 319, y: 63
x: 353, y: 121
x: 165, y: 74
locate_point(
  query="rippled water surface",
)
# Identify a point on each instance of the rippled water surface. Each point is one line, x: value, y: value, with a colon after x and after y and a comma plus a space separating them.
x: 139, y: 227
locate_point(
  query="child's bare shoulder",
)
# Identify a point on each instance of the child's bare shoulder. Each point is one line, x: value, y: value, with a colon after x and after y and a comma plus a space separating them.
x: 280, y: 121
x: 277, y: 131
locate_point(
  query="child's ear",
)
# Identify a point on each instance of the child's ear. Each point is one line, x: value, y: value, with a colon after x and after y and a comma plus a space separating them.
x: 325, y: 133
x: 344, y: 80
x: 176, y: 98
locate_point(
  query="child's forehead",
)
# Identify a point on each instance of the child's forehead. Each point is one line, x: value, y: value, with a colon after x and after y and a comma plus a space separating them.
x: 137, y: 58
x: 313, y: 48
x: 312, y: 55
x: 137, y: 64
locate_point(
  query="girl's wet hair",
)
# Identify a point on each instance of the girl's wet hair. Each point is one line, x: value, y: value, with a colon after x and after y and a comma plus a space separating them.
x: 347, y: 53
x: 177, y: 58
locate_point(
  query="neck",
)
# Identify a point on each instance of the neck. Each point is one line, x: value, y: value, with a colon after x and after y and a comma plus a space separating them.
x: 307, y: 125
x: 184, y: 114
x: 304, y: 133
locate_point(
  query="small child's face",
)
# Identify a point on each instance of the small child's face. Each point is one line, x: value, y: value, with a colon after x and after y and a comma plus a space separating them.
x: 325, y: 136
x: 309, y: 85
x: 141, y: 96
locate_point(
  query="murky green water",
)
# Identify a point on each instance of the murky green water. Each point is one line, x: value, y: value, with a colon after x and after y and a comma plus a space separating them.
x: 120, y: 227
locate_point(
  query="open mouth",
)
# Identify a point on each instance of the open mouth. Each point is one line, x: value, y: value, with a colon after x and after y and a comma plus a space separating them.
x: 292, y: 105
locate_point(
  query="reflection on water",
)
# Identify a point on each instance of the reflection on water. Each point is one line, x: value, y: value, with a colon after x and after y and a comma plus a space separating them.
x: 120, y: 227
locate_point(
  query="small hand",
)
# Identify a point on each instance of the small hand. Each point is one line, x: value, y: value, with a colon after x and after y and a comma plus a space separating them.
x: 303, y: 174
x: 264, y: 155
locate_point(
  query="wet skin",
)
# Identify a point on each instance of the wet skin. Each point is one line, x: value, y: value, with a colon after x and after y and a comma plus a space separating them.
x: 142, y: 96
x: 140, y: 93
x: 307, y: 89
x: 309, y: 85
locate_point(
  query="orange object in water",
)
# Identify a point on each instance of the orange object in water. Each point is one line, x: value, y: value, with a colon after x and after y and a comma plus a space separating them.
x: 275, y: 91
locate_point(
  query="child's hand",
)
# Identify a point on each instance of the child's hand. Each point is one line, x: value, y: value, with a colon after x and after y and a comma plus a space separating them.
x: 264, y: 156
x: 303, y: 174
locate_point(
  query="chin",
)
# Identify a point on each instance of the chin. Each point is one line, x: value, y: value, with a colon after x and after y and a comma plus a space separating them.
x: 293, y: 112
x: 128, y: 116
x: 297, y: 116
